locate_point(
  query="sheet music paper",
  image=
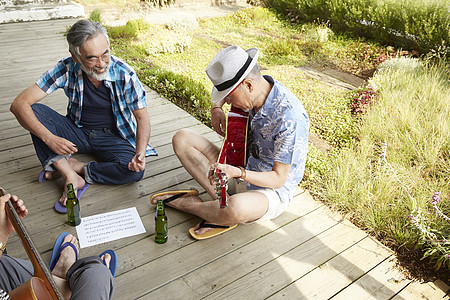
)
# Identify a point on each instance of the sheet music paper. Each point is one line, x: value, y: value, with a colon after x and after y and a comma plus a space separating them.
x: 108, y: 227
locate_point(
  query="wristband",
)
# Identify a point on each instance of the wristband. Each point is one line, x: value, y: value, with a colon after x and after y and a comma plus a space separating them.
x: 243, y: 174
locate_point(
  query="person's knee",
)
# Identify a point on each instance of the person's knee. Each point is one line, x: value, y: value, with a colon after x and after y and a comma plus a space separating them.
x: 38, y: 107
x: 41, y: 111
x: 179, y: 139
x: 135, y: 176
x: 228, y: 216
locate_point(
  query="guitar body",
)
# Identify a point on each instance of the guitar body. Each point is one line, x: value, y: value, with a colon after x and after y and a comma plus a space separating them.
x: 33, y: 289
x: 233, y: 150
x: 41, y: 286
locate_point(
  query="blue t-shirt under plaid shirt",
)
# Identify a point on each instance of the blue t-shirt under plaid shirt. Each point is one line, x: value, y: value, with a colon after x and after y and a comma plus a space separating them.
x: 279, y: 132
x: 127, y: 93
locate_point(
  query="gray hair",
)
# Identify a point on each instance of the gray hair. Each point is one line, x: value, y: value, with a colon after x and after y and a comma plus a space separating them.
x: 81, y: 31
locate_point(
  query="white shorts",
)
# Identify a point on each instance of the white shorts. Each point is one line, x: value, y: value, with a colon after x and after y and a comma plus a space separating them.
x: 276, y: 206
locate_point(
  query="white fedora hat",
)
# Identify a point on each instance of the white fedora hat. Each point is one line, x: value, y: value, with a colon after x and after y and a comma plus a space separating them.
x: 228, y: 68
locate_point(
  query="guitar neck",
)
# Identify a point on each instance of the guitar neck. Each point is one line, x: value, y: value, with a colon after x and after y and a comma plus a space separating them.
x: 40, y: 268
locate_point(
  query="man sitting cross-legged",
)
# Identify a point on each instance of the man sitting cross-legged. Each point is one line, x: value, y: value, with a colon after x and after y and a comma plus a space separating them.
x: 106, y: 115
x: 278, y: 129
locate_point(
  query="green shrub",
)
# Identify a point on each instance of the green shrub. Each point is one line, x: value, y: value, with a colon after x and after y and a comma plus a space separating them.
x: 96, y: 15
x: 182, y: 22
x: 186, y: 93
x: 172, y: 42
x: 420, y: 25
x: 129, y: 30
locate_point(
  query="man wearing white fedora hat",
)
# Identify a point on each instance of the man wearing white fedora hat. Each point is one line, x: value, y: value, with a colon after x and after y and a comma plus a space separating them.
x: 278, y: 129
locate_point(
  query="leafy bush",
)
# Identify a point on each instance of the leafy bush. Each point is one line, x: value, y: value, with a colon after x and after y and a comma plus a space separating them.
x: 186, y: 93
x: 420, y: 25
x: 127, y: 31
x: 362, y: 100
x: 401, y: 63
x: 182, y: 22
x: 173, y: 42
x: 96, y: 15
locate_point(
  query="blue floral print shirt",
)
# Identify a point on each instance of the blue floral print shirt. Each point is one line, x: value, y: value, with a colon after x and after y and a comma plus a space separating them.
x: 279, y: 132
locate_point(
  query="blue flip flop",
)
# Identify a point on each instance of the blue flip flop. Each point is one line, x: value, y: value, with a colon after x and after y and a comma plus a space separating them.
x: 58, y: 247
x: 62, y: 209
x: 112, y: 263
x: 41, y: 177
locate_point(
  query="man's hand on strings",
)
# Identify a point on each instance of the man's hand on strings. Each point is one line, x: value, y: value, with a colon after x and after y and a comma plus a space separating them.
x: 229, y: 170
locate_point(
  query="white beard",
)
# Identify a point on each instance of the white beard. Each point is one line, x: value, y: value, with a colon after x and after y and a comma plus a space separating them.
x: 91, y: 73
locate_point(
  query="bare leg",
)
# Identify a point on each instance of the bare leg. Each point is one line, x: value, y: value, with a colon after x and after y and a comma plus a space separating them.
x: 196, y: 154
x: 76, y: 165
x: 66, y: 260
x: 242, y: 208
x: 70, y: 176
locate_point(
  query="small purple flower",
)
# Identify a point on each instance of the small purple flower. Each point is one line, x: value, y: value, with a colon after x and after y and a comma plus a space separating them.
x: 414, y: 219
x: 436, y: 198
x: 384, y: 148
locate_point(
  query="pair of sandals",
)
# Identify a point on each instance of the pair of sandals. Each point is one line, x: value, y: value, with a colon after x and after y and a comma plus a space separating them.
x: 58, y: 206
x: 59, y: 246
x: 216, y: 229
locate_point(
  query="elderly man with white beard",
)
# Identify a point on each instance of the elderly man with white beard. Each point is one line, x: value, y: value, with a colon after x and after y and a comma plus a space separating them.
x: 106, y: 115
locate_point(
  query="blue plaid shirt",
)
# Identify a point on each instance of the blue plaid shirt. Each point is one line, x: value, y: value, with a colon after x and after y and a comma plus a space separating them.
x: 127, y: 93
x: 279, y: 132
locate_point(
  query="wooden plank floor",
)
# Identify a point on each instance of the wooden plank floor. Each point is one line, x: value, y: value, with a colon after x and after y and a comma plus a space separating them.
x: 308, y: 252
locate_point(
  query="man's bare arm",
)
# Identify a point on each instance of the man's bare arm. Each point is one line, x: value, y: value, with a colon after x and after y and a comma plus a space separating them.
x: 274, y: 179
x: 21, y: 108
x: 142, y: 137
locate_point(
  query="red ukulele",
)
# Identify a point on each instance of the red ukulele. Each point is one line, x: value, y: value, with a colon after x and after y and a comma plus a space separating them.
x: 233, y: 150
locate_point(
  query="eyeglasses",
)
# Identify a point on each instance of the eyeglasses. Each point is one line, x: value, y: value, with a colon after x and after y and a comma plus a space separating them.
x: 227, y: 97
x: 94, y: 59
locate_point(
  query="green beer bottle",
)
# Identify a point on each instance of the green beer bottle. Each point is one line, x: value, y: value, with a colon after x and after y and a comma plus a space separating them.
x: 73, y: 207
x: 160, y: 223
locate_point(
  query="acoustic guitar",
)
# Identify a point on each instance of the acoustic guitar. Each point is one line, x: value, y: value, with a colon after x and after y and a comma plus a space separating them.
x: 233, y: 151
x: 41, y: 286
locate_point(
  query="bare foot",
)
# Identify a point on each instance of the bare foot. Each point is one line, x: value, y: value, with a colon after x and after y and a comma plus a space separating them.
x: 77, y: 183
x: 200, y: 231
x: 52, y: 175
x: 162, y: 197
x: 70, y: 176
x: 107, y: 259
x: 76, y: 165
x: 178, y: 203
x: 66, y: 258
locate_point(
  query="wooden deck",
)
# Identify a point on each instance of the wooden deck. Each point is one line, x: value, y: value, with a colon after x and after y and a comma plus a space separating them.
x: 308, y: 252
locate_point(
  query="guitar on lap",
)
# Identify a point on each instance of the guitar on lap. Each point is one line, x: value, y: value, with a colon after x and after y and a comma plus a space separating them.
x: 233, y: 150
x: 41, y: 286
